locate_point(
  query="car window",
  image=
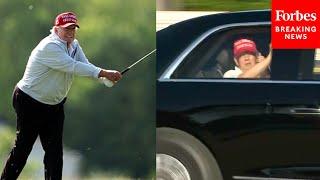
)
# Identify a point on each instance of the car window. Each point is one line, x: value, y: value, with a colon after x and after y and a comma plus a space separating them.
x: 213, y: 57
x: 316, y: 65
x: 293, y: 64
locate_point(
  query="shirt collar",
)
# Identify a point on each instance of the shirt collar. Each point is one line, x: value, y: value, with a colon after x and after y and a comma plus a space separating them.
x: 237, y: 69
x: 56, y: 37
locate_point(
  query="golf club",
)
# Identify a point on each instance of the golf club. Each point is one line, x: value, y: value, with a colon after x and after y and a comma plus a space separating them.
x: 109, y: 83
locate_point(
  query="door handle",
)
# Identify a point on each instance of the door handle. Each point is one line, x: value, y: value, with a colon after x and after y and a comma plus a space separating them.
x: 295, y: 110
x: 305, y: 111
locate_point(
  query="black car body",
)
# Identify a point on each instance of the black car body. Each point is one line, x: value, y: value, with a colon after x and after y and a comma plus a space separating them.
x: 252, y: 128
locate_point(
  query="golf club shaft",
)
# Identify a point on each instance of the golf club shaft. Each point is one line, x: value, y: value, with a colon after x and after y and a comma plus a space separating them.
x: 144, y: 57
x: 109, y: 83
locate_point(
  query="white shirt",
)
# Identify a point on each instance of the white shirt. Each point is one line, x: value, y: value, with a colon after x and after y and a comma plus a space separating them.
x: 49, y: 72
x: 232, y: 73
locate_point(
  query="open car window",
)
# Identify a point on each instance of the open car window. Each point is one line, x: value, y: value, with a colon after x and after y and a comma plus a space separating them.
x: 294, y: 64
x: 316, y: 65
x: 212, y: 57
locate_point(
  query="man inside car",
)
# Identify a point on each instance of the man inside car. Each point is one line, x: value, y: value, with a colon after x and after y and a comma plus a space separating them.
x: 249, y: 62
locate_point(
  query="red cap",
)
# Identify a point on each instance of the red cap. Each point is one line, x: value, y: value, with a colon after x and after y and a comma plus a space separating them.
x: 242, y: 46
x: 66, y: 19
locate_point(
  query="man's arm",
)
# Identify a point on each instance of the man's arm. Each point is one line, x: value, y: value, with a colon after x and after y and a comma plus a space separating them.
x: 109, y: 74
x: 259, y: 68
x: 81, y: 56
x: 55, y: 57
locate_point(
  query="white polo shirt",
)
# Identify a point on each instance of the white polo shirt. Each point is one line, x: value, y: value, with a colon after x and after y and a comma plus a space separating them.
x: 232, y: 73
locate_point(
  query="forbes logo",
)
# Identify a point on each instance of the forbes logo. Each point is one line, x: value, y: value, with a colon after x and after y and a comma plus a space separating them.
x: 295, y: 16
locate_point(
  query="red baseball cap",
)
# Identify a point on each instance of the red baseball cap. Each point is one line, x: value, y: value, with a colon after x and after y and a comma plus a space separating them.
x: 66, y: 19
x: 242, y: 46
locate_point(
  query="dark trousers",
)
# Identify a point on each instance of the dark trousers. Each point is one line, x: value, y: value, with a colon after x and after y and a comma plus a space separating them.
x: 33, y: 119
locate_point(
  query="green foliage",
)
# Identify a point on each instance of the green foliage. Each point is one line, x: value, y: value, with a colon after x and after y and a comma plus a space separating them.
x: 30, y: 170
x: 93, y: 175
x: 112, y: 128
x: 7, y: 138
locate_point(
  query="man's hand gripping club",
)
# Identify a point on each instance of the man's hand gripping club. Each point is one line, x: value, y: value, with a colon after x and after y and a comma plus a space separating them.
x: 109, y: 77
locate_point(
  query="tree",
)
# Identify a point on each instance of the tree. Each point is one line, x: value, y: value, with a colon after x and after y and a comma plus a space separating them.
x: 113, y: 34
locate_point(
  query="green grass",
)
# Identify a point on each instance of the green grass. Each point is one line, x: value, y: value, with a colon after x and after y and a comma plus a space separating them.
x: 106, y: 175
x: 7, y: 136
x: 100, y: 175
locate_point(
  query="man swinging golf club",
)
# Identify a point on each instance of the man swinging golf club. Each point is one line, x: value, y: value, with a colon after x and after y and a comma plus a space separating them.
x: 39, y: 96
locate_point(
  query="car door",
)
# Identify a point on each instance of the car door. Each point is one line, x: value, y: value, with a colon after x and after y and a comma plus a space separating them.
x: 295, y: 114
x: 255, y: 127
x: 193, y: 87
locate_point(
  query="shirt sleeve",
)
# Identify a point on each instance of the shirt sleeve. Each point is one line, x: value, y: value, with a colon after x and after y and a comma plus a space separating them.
x: 81, y: 56
x: 56, y: 58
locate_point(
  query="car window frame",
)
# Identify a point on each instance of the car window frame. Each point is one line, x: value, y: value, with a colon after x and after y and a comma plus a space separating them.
x: 174, y: 65
x: 165, y: 76
x: 215, y: 52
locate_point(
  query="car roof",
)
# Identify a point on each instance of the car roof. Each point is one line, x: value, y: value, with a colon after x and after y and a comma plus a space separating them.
x: 172, y: 40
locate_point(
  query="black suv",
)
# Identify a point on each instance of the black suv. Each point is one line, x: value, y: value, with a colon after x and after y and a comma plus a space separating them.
x: 210, y: 127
